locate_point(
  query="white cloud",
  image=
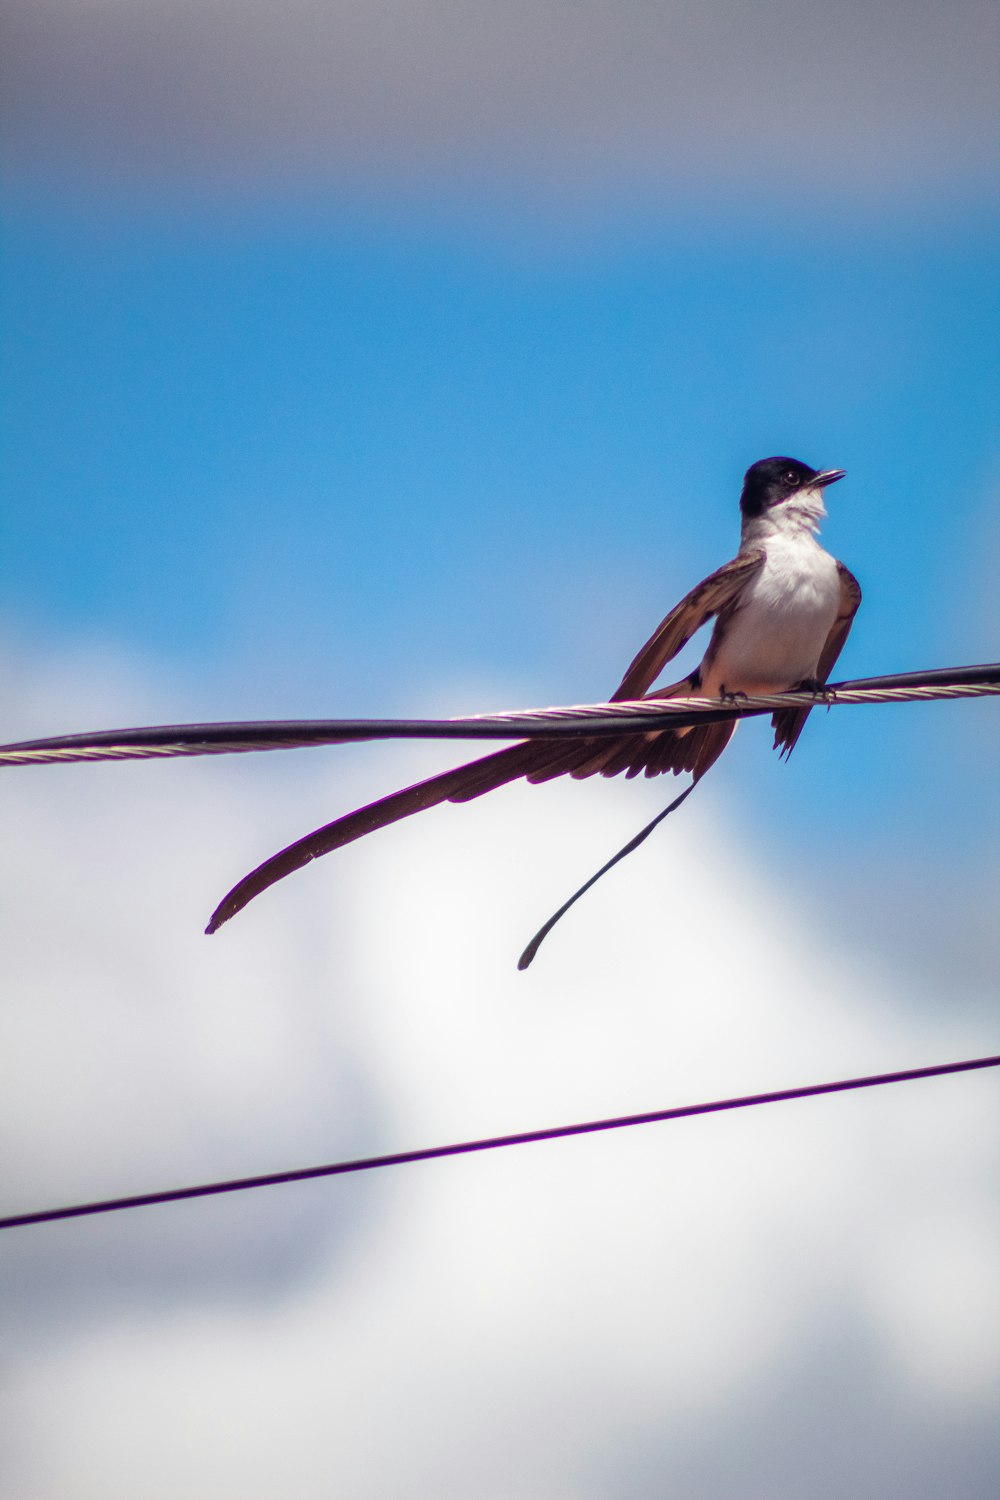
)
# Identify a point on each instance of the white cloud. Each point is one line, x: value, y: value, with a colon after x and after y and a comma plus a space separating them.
x: 537, y: 1322
x: 554, y: 97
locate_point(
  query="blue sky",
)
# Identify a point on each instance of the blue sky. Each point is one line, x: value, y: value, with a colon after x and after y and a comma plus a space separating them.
x: 324, y: 464
x: 406, y: 360
x: 345, y: 402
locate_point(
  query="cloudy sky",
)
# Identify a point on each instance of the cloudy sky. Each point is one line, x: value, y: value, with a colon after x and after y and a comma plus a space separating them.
x: 386, y: 358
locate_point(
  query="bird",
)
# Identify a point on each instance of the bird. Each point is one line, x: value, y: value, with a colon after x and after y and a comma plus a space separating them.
x: 783, y: 608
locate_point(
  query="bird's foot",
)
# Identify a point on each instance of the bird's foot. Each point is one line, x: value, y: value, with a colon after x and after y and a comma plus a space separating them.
x: 818, y: 689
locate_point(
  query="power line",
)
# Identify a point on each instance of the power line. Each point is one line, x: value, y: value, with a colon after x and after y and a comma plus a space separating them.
x: 489, y: 1143
x: 165, y: 741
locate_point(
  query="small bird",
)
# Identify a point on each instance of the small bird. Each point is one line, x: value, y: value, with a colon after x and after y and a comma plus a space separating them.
x: 783, y: 608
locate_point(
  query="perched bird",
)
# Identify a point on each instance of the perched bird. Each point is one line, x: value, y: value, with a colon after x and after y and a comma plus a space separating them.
x: 783, y: 608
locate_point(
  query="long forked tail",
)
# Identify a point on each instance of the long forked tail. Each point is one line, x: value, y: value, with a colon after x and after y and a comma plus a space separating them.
x: 539, y: 760
x: 458, y: 785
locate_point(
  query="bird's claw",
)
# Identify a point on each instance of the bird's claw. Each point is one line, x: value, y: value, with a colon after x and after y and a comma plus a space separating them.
x: 819, y: 690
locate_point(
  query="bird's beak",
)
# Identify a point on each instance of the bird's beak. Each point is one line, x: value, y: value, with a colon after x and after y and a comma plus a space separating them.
x: 828, y: 476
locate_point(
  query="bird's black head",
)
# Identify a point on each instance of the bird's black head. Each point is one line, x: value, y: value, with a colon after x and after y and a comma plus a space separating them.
x: 772, y: 481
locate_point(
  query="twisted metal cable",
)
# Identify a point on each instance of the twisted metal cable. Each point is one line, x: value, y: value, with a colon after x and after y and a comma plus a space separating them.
x: 164, y: 742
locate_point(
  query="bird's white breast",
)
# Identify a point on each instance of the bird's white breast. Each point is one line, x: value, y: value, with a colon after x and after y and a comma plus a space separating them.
x: 775, y: 636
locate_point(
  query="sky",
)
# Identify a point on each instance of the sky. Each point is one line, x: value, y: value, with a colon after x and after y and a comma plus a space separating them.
x: 406, y: 359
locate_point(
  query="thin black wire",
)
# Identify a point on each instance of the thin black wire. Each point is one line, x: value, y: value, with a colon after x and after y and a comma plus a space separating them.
x: 489, y: 1143
x: 226, y: 738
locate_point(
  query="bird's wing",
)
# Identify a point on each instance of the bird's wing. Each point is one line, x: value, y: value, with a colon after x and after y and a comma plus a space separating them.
x: 713, y: 594
x: 788, y: 722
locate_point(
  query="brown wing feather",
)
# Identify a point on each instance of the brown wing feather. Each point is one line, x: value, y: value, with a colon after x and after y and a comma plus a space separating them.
x: 789, y: 722
x: 711, y: 595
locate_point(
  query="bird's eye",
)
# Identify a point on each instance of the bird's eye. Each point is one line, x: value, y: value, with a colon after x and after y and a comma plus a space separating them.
x: 790, y: 477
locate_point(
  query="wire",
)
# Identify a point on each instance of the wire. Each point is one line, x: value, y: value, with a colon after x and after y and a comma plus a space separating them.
x: 490, y: 1143
x: 593, y: 719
